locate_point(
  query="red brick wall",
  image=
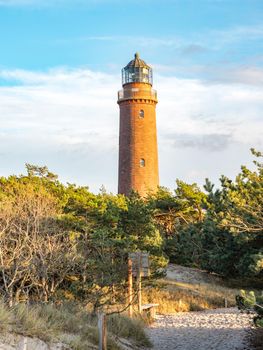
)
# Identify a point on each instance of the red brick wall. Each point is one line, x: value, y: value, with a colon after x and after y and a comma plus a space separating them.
x: 138, y: 140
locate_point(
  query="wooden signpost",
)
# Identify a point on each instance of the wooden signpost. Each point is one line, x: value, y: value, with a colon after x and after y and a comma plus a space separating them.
x: 138, y: 266
x: 139, y: 283
x: 130, y: 294
x: 140, y: 261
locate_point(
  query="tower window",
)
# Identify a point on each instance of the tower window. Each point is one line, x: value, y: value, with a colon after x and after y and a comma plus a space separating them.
x: 141, y: 113
x: 142, y: 163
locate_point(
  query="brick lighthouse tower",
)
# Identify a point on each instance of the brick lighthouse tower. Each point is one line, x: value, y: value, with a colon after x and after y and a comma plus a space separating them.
x: 138, y: 155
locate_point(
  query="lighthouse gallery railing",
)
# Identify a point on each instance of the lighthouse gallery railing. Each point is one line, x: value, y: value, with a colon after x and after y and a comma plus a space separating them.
x: 137, y: 93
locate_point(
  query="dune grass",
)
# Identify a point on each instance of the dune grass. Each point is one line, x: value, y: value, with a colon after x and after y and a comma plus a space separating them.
x: 70, y: 324
x: 175, y: 296
x: 73, y: 325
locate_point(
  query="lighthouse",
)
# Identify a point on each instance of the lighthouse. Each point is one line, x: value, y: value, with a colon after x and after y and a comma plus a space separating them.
x: 138, y: 153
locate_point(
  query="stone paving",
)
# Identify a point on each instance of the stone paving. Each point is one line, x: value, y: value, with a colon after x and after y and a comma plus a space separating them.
x: 220, y: 329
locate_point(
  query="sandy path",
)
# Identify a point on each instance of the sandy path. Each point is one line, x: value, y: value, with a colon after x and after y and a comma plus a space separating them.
x: 190, y: 275
x: 220, y: 329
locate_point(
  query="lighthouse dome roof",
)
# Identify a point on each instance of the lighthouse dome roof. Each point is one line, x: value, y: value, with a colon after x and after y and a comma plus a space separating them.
x: 137, y: 62
x: 137, y: 71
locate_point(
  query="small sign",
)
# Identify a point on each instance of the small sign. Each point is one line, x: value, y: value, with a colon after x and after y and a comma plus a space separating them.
x: 140, y: 259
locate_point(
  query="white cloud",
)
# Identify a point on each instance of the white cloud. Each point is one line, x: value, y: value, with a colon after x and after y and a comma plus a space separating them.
x: 244, y: 75
x: 193, y: 43
x: 252, y: 32
x: 68, y: 120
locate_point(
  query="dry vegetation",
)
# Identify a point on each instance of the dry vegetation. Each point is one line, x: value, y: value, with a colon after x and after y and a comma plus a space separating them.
x: 176, y: 296
x: 62, y: 242
x: 172, y: 298
x: 76, y: 327
x: 68, y: 324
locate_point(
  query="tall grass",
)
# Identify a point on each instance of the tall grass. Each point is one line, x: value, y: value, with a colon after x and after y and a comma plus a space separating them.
x: 5, y: 316
x: 70, y: 324
x: 175, y: 296
x: 126, y: 327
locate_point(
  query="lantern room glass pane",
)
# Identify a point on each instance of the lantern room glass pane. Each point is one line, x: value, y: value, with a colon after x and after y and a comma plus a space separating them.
x: 136, y: 75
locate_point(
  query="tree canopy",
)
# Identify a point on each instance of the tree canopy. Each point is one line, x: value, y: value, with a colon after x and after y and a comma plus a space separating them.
x: 63, y: 240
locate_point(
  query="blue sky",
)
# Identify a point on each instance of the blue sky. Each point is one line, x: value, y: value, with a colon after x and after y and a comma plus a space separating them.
x: 59, y: 59
x: 103, y: 34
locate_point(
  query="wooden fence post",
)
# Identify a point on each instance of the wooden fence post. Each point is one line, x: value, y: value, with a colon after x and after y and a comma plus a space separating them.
x: 130, y: 293
x: 102, y: 331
